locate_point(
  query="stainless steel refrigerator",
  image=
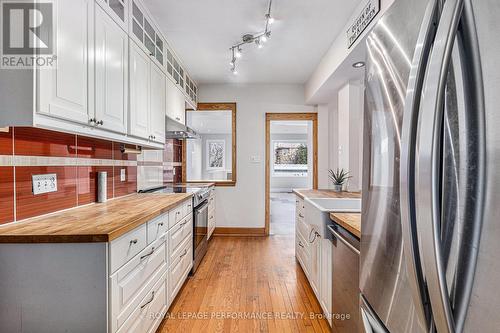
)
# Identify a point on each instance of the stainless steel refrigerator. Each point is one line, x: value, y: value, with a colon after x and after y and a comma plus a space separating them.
x: 430, y: 245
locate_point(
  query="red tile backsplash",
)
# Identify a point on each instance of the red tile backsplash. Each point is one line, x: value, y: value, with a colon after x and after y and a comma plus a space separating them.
x: 6, y: 194
x: 129, y: 185
x: 87, y: 183
x: 6, y: 142
x: 94, y: 148
x: 29, y: 205
x: 30, y: 141
x: 76, y: 179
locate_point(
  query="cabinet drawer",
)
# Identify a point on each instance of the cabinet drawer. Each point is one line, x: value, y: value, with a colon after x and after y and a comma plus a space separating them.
x: 299, y: 205
x: 211, y: 203
x: 126, y: 247
x: 130, y: 283
x: 178, y: 233
x: 149, y: 312
x: 302, y: 228
x: 188, y: 208
x: 302, y: 252
x: 157, y: 228
x: 181, y: 264
x: 176, y: 215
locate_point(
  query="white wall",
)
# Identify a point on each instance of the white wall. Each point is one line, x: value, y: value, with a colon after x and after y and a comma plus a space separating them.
x: 243, y: 205
x: 339, y: 51
x: 346, y: 132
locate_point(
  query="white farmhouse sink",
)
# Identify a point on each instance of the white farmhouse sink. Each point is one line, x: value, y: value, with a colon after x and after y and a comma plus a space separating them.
x: 317, y: 211
x: 344, y: 205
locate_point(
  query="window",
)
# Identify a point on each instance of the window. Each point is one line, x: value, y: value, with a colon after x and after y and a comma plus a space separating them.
x: 290, y: 158
x: 212, y: 156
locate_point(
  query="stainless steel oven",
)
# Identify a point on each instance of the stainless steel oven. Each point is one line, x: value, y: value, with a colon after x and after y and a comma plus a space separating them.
x: 200, y: 232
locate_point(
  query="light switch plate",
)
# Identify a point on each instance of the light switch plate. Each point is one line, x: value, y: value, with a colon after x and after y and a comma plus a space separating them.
x: 123, y: 175
x: 44, y: 183
x: 255, y: 159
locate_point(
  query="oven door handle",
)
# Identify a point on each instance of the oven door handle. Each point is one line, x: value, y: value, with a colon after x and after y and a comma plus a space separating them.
x: 200, y: 208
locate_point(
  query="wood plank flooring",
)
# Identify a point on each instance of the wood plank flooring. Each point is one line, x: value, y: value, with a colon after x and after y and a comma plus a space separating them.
x: 247, y: 284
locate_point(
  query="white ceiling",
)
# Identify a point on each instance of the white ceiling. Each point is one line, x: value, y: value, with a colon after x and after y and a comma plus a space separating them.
x: 201, y: 33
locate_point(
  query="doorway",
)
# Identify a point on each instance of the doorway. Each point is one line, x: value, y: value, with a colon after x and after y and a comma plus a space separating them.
x: 291, y: 163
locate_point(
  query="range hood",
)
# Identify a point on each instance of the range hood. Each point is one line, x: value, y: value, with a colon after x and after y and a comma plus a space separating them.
x: 176, y: 130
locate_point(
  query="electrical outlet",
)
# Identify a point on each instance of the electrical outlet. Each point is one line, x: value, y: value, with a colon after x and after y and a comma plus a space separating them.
x: 123, y: 175
x: 44, y: 183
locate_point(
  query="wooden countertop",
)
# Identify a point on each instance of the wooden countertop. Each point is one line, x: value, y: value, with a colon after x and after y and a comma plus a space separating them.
x: 100, y: 222
x: 349, y: 221
x: 325, y: 194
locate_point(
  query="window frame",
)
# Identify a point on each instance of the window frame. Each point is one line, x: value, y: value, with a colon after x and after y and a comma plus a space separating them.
x: 215, y: 107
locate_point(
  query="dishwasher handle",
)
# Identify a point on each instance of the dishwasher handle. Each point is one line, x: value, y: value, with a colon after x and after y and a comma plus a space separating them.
x: 343, y: 240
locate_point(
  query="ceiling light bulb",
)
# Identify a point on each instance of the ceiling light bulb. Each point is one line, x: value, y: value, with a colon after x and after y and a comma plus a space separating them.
x: 264, y: 38
x: 259, y: 44
x: 270, y: 20
x: 238, y: 53
x: 235, y: 72
x: 358, y: 64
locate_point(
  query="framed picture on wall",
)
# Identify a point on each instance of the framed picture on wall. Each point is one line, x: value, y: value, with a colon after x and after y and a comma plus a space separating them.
x: 216, y: 155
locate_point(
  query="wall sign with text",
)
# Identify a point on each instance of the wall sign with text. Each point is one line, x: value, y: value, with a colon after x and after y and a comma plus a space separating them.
x: 364, y: 18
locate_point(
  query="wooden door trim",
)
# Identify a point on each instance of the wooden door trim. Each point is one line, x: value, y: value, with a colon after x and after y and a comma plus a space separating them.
x: 313, y: 116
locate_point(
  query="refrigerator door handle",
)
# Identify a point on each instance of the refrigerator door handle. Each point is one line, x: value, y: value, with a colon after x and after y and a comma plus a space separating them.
x: 407, y: 164
x: 371, y: 323
x: 428, y: 165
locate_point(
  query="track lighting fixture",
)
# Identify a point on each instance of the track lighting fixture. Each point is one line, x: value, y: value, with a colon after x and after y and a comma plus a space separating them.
x: 259, y: 39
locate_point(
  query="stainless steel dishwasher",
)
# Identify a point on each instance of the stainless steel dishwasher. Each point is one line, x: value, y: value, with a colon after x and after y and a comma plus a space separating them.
x: 345, y: 268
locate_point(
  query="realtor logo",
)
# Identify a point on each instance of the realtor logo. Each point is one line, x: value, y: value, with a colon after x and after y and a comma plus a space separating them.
x: 28, y: 36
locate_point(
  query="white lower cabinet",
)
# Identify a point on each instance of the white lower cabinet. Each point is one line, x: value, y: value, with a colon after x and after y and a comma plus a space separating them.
x: 148, y: 267
x: 147, y: 317
x: 211, y: 213
x: 314, y: 255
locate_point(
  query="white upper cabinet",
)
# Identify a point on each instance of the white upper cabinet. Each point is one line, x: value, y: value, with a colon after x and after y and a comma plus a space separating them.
x: 158, y: 104
x: 176, y: 106
x: 63, y: 92
x: 111, y: 67
x: 146, y: 35
x: 139, y: 83
x: 117, y: 10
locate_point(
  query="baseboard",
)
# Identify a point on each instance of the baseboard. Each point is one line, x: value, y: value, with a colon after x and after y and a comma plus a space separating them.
x: 248, y: 232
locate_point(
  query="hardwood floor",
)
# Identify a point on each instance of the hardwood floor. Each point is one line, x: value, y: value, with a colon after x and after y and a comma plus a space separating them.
x: 256, y: 277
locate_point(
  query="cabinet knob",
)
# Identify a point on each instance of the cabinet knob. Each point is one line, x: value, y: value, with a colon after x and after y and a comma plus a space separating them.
x: 133, y: 241
x: 92, y: 120
x: 100, y: 122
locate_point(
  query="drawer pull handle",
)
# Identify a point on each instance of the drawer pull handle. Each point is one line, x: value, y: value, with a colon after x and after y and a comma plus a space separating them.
x: 301, y: 216
x: 148, y: 254
x: 185, y: 252
x: 133, y: 241
x: 301, y: 245
x: 160, y: 224
x: 150, y: 300
x: 183, y: 223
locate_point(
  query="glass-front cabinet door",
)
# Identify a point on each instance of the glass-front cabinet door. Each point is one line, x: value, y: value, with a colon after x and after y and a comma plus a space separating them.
x: 146, y: 34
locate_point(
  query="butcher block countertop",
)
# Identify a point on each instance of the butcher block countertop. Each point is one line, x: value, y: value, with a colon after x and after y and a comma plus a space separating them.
x: 325, y: 194
x: 100, y: 222
x: 349, y: 221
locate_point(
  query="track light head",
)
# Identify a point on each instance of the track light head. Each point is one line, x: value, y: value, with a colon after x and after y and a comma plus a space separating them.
x: 238, y: 53
x: 269, y: 19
